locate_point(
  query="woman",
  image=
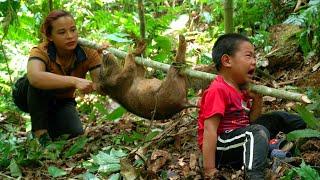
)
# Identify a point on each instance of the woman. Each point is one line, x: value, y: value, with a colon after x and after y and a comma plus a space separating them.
x: 56, y: 68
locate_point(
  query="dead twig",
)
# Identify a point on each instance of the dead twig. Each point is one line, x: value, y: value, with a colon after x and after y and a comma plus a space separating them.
x: 6, y: 176
x: 284, y: 83
x: 183, y: 132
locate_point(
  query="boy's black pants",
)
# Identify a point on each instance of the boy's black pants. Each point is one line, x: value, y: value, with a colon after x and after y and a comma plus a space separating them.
x: 249, y: 146
x: 58, y: 116
x: 246, y: 146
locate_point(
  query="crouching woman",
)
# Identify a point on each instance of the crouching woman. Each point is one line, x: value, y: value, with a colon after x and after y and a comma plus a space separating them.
x: 56, y: 68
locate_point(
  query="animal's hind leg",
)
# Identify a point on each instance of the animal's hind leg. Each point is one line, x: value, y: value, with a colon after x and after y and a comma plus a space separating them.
x: 181, y: 54
x: 174, y: 86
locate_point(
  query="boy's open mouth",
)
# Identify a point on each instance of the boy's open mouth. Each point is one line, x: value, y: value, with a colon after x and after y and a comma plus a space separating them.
x: 251, y: 72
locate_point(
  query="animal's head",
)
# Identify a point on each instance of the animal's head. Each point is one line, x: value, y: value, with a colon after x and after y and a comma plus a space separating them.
x: 109, y: 64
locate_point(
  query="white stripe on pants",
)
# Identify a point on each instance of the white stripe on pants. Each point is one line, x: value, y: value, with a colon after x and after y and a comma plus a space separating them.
x: 251, y: 146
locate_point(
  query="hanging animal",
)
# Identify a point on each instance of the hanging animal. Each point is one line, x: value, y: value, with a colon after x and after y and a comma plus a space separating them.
x: 148, y: 98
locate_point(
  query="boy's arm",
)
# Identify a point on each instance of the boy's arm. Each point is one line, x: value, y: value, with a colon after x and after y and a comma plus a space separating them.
x: 256, y: 108
x: 210, y: 144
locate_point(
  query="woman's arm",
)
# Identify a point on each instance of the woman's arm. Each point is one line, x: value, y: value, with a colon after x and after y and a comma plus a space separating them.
x: 41, y: 79
x: 210, y: 144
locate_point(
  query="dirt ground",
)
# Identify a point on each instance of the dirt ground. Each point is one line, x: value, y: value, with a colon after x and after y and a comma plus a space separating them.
x: 175, y: 153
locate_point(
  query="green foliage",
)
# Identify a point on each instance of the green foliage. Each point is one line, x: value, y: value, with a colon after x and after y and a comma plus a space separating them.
x: 22, y: 153
x: 260, y: 40
x: 164, y: 46
x: 96, y: 106
x: 118, y: 23
x: 116, y: 114
x: 15, y: 153
x: 115, y: 176
x: 8, y: 14
x: 308, y: 117
x: 76, y: 147
x: 302, y: 172
x: 6, y: 102
x: 307, y: 113
x: 89, y: 176
x: 56, y: 172
x: 304, y: 133
x: 312, y: 123
x: 253, y: 15
x: 14, y: 169
x: 105, y: 162
x: 309, y: 38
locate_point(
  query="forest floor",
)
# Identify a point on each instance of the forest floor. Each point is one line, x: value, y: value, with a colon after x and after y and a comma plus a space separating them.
x: 174, y: 153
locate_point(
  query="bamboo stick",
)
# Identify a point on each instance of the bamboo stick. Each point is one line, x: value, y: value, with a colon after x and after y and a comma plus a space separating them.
x: 264, y: 90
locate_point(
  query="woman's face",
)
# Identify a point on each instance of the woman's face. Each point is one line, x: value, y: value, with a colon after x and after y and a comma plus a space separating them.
x: 64, y: 33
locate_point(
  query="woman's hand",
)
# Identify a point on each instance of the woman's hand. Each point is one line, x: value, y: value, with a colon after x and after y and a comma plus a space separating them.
x: 83, y: 85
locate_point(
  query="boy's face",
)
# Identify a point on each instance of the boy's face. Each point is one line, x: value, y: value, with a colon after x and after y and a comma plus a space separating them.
x: 243, y: 63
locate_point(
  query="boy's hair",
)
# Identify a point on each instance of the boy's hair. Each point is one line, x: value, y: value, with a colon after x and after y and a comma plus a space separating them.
x: 226, y: 44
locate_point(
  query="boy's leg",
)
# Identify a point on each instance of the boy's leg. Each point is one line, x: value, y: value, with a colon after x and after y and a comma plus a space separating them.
x: 39, y: 103
x: 280, y: 121
x: 65, y: 119
x: 249, y: 144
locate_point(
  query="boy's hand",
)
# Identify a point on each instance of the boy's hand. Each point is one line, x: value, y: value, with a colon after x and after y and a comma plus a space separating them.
x: 256, y: 108
x: 254, y: 96
x: 210, y: 173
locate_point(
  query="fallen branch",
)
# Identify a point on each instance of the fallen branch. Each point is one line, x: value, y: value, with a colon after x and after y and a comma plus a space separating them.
x: 6, y: 176
x: 264, y: 90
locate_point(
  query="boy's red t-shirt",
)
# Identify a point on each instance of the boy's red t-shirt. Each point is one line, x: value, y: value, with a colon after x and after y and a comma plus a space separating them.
x: 224, y: 100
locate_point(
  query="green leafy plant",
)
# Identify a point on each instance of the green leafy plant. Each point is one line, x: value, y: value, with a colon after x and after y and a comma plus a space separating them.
x: 106, y: 162
x: 56, y: 172
x: 76, y: 147
x: 303, y: 172
x: 309, y: 37
x: 14, y: 169
x: 313, y: 125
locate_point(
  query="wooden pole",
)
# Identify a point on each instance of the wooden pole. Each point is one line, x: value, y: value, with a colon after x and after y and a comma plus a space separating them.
x: 264, y: 90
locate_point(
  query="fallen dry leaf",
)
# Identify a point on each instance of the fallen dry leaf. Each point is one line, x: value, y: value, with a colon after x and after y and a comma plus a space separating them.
x: 193, y: 161
x: 186, y: 171
x: 158, y: 159
x: 127, y: 170
x: 181, y: 163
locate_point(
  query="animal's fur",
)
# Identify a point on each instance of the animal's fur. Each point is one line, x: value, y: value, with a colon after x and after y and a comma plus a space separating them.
x: 148, y: 98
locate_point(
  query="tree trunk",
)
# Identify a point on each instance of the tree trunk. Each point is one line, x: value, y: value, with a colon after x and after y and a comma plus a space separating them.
x: 228, y: 16
x: 142, y: 20
x: 264, y: 90
x: 50, y: 5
